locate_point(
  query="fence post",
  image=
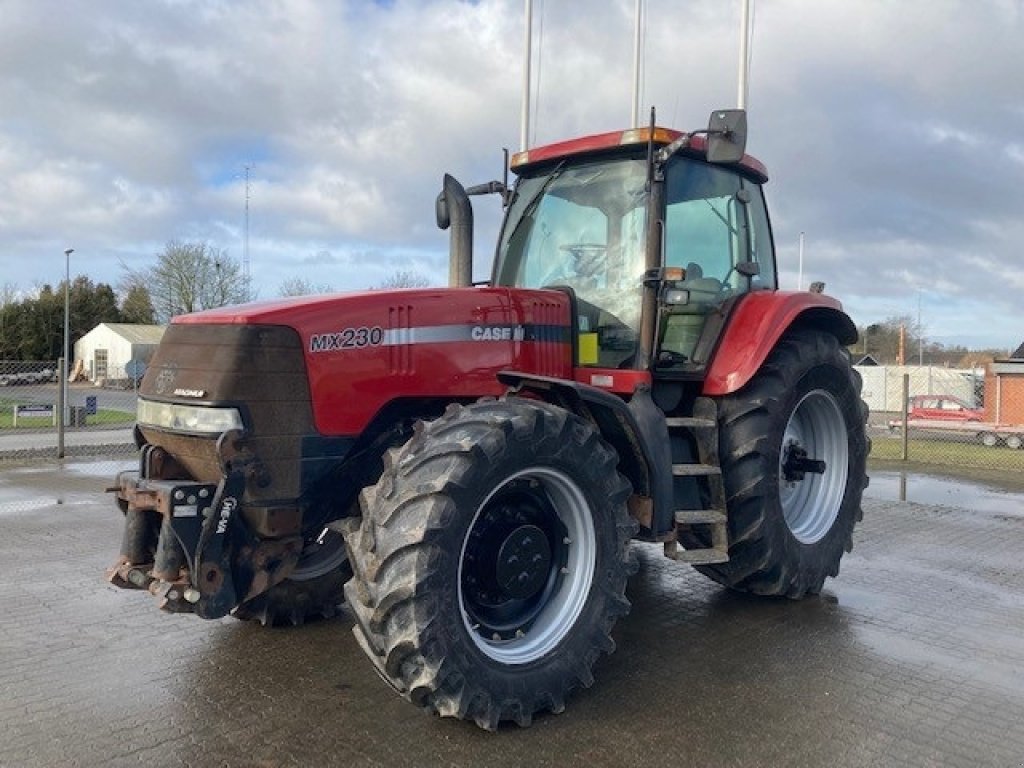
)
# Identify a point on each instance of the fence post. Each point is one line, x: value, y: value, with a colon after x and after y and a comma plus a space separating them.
x: 905, y: 412
x: 60, y: 407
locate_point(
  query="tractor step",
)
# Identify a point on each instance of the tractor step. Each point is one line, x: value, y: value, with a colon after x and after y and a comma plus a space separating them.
x: 700, y: 517
x: 717, y: 552
x: 708, y: 556
x: 695, y: 470
x: 707, y: 526
x: 689, y: 422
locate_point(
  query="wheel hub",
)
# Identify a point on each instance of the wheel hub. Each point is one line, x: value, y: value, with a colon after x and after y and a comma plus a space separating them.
x: 526, y: 565
x: 798, y: 463
x: 524, y: 561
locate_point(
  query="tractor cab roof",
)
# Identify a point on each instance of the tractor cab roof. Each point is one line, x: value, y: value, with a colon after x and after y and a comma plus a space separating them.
x: 635, y: 137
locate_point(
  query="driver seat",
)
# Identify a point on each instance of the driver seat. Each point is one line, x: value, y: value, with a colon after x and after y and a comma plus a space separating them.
x: 682, y: 325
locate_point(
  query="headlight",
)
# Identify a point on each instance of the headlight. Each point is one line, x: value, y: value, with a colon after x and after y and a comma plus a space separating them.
x: 188, y: 418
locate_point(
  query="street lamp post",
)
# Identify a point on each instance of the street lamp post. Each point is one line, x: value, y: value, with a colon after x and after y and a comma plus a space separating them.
x: 67, y: 328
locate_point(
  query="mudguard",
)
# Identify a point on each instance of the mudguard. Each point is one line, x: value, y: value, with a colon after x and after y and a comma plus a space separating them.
x: 757, y: 323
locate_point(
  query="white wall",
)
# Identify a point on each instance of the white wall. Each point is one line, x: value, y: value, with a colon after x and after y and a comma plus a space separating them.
x: 119, y: 351
x: 883, y: 384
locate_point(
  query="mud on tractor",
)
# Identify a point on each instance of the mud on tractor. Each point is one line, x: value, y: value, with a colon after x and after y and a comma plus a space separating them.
x: 467, y: 467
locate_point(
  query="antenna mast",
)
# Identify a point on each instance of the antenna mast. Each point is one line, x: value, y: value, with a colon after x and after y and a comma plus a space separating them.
x: 524, y: 121
x: 246, y: 276
x: 637, y: 62
x: 744, y: 65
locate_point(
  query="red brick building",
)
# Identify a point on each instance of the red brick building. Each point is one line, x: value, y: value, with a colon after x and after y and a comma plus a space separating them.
x: 1004, y: 390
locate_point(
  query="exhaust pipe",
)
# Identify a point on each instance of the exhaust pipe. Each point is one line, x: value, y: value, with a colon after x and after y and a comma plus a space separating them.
x: 453, y: 210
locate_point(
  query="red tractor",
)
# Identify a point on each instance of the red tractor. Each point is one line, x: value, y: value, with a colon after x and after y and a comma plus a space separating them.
x: 469, y: 466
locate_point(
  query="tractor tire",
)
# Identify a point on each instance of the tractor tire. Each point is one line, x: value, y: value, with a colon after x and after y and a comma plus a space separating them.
x: 491, y: 561
x: 314, y: 590
x: 789, y: 521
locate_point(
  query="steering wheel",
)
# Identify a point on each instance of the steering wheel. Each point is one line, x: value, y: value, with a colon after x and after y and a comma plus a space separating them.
x: 579, y: 249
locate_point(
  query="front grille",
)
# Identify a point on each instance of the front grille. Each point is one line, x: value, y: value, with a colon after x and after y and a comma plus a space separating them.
x: 258, y: 369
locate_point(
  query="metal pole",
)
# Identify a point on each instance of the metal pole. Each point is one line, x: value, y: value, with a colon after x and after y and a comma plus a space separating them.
x: 59, y: 413
x: 920, y: 334
x: 246, y: 268
x: 800, y: 271
x: 524, y: 121
x: 67, y: 342
x: 905, y: 413
x: 741, y: 96
x: 634, y: 118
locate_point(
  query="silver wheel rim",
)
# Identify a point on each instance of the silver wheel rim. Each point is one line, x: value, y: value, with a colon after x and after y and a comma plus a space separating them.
x: 811, y: 503
x: 1014, y: 442
x: 564, y: 604
x: 989, y: 440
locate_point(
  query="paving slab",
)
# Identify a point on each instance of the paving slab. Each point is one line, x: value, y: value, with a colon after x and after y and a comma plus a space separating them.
x: 914, y: 656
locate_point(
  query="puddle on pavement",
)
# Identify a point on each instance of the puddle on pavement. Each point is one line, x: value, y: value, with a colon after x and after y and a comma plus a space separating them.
x: 944, y: 491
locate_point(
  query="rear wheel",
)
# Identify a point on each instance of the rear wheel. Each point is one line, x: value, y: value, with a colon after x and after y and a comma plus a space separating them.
x: 312, y: 591
x: 989, y: 439
x: 1014, y: 442
x: 793, y: 449
x: 491, y: 561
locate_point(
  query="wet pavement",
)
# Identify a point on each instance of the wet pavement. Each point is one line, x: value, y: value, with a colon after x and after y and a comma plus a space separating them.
x: 914, y: 656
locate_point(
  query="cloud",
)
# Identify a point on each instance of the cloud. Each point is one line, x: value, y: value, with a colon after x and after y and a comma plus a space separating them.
x: 891, y: 131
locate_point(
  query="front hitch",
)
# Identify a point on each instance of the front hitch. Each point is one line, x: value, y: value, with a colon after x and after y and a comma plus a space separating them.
x: 186, y: 542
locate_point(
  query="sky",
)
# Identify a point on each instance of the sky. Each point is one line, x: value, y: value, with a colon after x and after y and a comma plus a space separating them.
x: 893, y: 133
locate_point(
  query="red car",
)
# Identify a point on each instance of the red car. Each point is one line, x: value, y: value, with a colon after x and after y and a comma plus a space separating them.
x: 942, y: 408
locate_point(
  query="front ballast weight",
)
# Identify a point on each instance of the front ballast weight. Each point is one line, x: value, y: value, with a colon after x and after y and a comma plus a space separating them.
x: 184, y: 543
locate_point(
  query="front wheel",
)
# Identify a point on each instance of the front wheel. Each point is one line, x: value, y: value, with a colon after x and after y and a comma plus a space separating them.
x: 491, y: 561
x: 793, y: 449
x: 312, y: 590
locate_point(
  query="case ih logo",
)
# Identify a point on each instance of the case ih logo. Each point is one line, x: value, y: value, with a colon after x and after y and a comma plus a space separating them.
x: 498, y: 333
x: 164, y: 381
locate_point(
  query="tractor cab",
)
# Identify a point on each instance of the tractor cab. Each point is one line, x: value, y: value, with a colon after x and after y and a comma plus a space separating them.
x: 610, y: 217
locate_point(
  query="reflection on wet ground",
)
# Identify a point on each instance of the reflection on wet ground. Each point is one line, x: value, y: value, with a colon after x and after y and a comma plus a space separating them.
x: 913, y: 656
x: 944, y: 491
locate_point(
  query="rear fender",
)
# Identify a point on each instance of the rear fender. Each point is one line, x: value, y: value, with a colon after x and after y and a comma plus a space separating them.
x: 758, y: 322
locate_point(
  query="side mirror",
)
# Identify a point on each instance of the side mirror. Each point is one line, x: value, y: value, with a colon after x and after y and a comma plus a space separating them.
x: 727, y: 135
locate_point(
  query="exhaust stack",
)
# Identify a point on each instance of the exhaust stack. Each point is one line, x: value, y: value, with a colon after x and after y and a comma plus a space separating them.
x: 453, y: 210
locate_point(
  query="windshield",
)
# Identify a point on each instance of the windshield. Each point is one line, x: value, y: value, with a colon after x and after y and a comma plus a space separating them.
x: 583, y: 227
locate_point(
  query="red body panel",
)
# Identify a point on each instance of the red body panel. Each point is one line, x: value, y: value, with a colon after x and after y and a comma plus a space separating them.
x: 365, y: 349
x: 753, y: 329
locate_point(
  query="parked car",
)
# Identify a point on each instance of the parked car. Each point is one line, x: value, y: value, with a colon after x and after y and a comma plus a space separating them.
x: 28, y: 377
x: 942, y: 408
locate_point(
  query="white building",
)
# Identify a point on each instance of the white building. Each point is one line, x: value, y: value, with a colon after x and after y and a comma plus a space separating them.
x: 103, y: 352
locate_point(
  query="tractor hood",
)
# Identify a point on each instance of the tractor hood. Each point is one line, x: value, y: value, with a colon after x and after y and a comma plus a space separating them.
x: 363, y: 350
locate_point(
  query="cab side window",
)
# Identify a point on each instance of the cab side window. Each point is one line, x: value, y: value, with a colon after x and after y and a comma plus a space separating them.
x: 705, y: 225
x: 714, y: 220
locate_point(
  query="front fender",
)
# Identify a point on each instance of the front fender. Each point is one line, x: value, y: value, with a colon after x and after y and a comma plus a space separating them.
x: 758, y: 322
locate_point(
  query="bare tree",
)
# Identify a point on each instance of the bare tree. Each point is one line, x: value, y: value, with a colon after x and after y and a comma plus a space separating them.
x: 189, y: 277
x: 403, y: 279
x: 300, y: 286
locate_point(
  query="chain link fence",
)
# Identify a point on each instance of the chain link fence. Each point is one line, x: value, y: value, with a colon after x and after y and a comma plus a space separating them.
x: 98, y: 420
x: 926, y: 416
x: 945, y: 417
